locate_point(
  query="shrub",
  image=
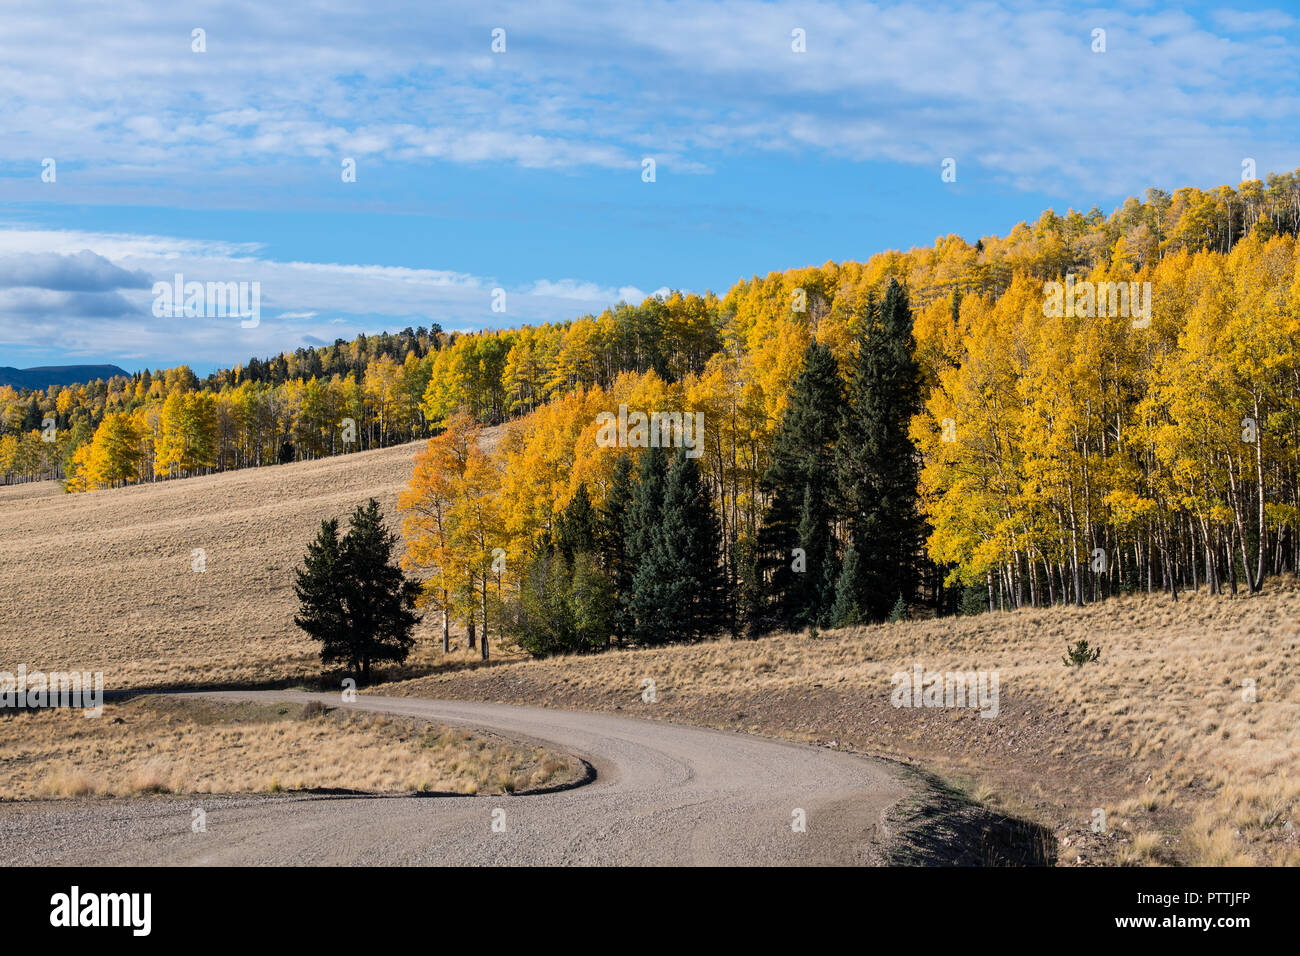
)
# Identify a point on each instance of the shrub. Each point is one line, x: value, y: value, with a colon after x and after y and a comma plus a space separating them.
x: 974, y: 600
x: 1081, y: 654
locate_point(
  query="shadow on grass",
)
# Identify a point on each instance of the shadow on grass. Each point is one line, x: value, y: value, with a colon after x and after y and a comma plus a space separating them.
x: 586, y: 775
x: 941, y: 826
x: 325, y: 682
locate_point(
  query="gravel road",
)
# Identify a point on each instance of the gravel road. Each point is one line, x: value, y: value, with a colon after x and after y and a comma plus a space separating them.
x: 663, y: 794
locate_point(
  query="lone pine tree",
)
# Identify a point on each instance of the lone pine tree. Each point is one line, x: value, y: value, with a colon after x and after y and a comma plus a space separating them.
x: 354, y: 597
x: 686, y: 492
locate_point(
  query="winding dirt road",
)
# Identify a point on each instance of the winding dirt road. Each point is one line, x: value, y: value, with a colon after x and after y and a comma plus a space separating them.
x: 663, y: 794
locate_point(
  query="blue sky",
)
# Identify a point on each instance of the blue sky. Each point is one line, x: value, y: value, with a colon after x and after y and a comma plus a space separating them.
x: 522, y: 169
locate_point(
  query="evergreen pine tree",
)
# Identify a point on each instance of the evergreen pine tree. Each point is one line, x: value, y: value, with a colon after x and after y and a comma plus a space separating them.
x: 802, y: 470
x: 814, y: 590
x: 845, y: 611
x: 661, y: 587
x: 613, y: 540
x: 679, y: 589
x: 639, y: 522
x: 356, y: 600
x: 702, y: 546
x: 876, y: 464
x: 614, y: 524
x: 749, y: 596
x: 322, y: 613
x: 577, y: 528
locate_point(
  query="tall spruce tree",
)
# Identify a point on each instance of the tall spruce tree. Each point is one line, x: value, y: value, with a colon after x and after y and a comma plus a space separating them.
x: 577, y: 528
x: 876, y: 463
x: 800, y: 480
x: 639, y: 523
x: 612, y: 533
x: 322, y: 613
x: 702, y: 548
x: 845, y: 611
x: 750, y: 589
x: 814, y: 591
x: 679, y: 588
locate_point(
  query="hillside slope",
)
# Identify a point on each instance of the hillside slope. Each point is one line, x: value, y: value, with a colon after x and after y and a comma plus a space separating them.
x: 104, y: 581
x: 47, y: 376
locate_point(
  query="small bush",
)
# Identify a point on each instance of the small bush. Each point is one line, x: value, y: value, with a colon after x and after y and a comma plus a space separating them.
x: 974, y: 600
x: 1081, y: 654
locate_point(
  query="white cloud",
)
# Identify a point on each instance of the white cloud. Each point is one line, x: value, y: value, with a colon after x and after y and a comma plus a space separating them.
x: 1012, y: 87
x: 105, y: 308
x: 573, y: 289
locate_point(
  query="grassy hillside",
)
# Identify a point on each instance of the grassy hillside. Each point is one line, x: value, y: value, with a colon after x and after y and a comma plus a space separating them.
x: 105, y: 581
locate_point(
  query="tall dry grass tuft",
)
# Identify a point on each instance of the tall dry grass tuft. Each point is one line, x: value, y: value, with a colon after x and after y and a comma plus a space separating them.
x: 66, y: 781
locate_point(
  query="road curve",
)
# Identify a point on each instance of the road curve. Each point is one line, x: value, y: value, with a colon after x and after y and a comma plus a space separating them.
x: 665, y: 794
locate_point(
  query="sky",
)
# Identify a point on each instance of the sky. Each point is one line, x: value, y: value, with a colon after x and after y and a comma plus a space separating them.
x: 133, y: 148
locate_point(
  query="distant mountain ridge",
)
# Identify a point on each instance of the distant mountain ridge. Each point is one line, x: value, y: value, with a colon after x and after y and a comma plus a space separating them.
x: 44, y: 376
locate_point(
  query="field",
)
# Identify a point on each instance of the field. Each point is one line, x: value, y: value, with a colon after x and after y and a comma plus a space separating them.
x: 1160, y: 734
x: 106, y: 581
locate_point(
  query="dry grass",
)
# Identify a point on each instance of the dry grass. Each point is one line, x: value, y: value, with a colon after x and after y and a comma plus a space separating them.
x: 104, y: 581
x: 163, y: 745
x: 1145, y: 849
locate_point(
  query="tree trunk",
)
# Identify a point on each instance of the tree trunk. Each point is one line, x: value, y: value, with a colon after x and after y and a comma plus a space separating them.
x: 1258, y: 583
x: 484, y: 642
x: 1241, y: 525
